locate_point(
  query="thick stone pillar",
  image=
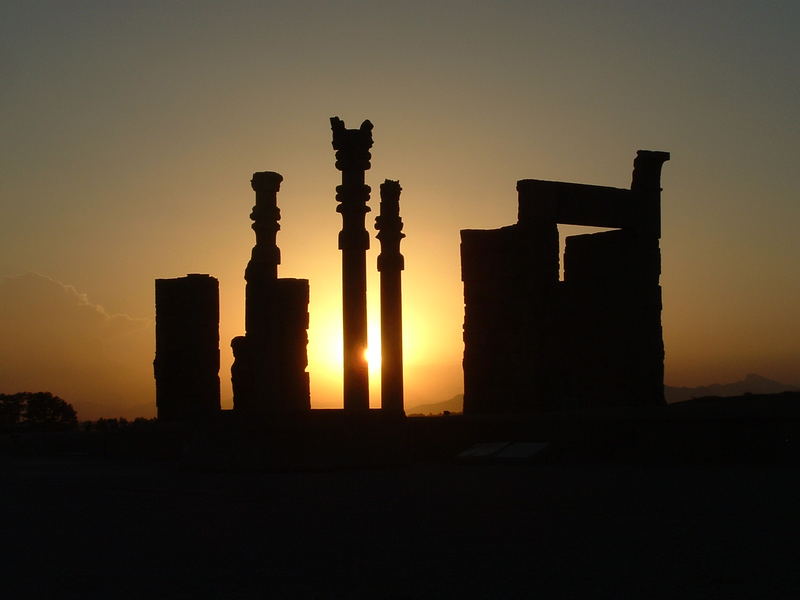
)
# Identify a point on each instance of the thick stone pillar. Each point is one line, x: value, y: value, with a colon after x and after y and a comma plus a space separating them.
x: 352, y: 159
x: 390, y: 264
x: 186, y: 365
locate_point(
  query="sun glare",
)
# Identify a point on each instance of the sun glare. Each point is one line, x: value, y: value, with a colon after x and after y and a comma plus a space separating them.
x: 373, y: 356
x: 325, y: 355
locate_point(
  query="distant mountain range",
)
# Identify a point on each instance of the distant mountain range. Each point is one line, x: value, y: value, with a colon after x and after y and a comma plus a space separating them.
x: 751, y: 384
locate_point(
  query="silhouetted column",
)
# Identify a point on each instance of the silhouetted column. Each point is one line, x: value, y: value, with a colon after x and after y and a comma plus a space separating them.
x: 352, y: 159
x: 186, y: 365
x: 262, y: 269
x: 646, y: 183
x: 390, y: 264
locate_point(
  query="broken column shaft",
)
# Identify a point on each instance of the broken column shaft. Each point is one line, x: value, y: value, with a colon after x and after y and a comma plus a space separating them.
x: 352, y: 159
x: 187, y: 347
x: 390, y: 264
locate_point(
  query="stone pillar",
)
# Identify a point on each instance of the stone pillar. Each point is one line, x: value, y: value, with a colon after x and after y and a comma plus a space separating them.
x: 186, y: 365
x: 262, y: 269
x: 352, y: 159
x: 390, y: 264
x: 646, y: 183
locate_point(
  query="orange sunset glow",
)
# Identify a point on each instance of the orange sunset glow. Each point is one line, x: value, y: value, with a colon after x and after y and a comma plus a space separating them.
x: 131, y: 134
x: 419, y: 299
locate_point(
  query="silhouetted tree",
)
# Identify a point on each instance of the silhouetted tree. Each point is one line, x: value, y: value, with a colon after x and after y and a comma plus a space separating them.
x: 43, y: 408
x: 11, y: 408
x: 37, y: 410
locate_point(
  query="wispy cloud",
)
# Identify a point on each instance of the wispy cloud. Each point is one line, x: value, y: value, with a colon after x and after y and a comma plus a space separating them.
x: 53, y: 338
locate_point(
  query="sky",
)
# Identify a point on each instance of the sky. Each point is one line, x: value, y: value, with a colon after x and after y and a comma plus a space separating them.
x: 131, y: 131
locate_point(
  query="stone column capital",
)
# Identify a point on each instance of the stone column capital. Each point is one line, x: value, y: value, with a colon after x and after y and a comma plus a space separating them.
x: 351, y: 145
x: 266, y: 181
x: 647, y: 170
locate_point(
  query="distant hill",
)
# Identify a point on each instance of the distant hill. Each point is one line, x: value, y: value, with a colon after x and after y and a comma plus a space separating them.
x: 752, y: 384
x: 453, y: 405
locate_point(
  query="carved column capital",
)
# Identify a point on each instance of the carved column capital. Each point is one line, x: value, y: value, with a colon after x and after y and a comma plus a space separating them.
x: 265, y: 256
x: 390, y: 226
x: 266, y: 181
x: 351, y: 145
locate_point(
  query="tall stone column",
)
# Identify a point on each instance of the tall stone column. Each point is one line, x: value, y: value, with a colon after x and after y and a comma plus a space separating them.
x: 390, y: 264
x: 262, y: 269
x: 352, y: 159
x: 646, y: 183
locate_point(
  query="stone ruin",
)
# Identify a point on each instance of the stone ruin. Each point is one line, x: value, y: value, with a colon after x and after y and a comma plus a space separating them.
x: 268, y: 374
x: 352, y: 159
x: 390, y: 265
x: 186, y: 365
x: 269, y: 369
x: 534, y: 343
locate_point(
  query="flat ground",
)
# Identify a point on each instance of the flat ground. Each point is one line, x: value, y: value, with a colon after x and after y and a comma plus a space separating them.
x: 85, y: 528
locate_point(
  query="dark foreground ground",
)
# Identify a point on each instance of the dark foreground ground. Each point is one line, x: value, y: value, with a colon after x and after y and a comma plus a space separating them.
x: 101, y: 528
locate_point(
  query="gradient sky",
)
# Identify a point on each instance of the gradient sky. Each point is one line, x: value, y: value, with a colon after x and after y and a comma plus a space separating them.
x: 131, y: 130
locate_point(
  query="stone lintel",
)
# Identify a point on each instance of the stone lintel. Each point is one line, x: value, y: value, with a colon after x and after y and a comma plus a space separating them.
x: 575, y: 204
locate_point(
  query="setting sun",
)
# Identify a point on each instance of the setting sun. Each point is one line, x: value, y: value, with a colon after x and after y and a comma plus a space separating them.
x: 373, y: 357
x: 372, y: 354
